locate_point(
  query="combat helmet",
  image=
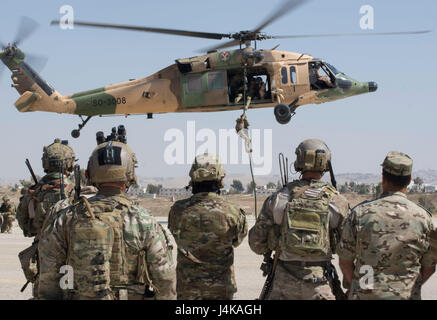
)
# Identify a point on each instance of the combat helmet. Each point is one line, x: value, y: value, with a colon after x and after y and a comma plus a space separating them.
x: 207, y: 167
x: 312, y: 155
x: 112, y: 161
x: 5, y: 198
x: 57, y: 154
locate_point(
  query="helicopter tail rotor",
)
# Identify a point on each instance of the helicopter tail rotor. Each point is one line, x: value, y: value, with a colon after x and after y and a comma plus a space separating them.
x: 26, y: 28
x: 11, y: 55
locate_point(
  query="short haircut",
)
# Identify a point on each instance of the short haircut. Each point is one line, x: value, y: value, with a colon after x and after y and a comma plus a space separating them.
x: 396, y: 181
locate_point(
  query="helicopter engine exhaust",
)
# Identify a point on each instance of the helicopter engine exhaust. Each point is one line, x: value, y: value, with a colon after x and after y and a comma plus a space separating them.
x: 282, y: 113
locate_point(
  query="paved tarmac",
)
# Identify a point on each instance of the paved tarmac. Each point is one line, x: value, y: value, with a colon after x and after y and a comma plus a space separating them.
x: 248, y: 276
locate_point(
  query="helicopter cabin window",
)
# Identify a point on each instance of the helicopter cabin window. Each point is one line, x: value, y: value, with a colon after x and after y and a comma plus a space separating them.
x: 215, y: 81
x: 293, y: 77
x: 194, y: 83
x: 284, y: 75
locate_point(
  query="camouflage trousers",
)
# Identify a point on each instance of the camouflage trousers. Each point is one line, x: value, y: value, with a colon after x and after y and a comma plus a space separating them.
x: 205, y: 282
x: 7, y: 223
x: 300, y: 283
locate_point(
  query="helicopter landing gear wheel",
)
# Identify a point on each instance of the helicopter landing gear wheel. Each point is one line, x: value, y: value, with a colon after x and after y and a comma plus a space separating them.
x: 284, y: 113
x: 76, y: 132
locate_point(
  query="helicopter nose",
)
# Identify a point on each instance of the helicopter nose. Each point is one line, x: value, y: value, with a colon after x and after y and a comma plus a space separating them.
x: 373, y: 86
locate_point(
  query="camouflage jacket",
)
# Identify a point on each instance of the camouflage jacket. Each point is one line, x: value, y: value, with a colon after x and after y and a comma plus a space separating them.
x: 388, y: 237
x: 208, y: 228
x: 8, y: 209
x: 147, y: 251
x: 264, y: 235
x: 37, y: 203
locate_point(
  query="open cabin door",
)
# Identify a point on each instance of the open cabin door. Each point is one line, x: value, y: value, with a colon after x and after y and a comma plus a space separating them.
x: 258, y: 85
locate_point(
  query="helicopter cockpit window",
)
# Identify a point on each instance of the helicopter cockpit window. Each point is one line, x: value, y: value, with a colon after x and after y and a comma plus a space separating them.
x: 293, y: 74
x: 215, y: 81
x: 320, y: 77
x: 284, y: 75
x: 194, y: 83
x: 333, y: 69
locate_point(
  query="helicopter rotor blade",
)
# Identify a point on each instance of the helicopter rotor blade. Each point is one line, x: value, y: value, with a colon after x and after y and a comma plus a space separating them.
x: 26, y: 27
x: 186, y: 33
x: 363, y: 34
x: 37, y: 62
x: 221, y: 46
x: 279, y: 12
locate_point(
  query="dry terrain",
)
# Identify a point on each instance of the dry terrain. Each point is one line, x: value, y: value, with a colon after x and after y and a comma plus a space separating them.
x: 248, y: 275
x: 161, y: 206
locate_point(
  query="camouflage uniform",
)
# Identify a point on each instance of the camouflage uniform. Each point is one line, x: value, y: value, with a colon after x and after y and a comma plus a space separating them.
x: 300, y: 274
x: 8, y: 210
x: 293, y: 281
x: 116, y: 249
x: 147, y: 253
x: 36, y: 204
x: 206, y: 229
x: 390, y: 235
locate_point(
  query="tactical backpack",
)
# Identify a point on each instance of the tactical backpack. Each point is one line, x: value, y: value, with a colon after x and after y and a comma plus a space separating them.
x: 25, y: 217
x: 97, y: 250
x: 305, y: 225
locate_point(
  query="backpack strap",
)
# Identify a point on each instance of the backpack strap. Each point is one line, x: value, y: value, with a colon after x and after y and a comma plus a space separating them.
x: 90, y: 210
x: 143, y: 271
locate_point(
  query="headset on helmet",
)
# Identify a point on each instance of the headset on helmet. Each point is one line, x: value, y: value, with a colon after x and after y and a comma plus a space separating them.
x: 312, y: 155
x: 56, y: 155
x: 112, y: 161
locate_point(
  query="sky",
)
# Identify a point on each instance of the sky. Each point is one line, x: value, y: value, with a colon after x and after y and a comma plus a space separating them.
x: 360, y: 130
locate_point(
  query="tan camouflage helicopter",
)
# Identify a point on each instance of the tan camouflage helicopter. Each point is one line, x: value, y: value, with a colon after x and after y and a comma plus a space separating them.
x: 217, y: 81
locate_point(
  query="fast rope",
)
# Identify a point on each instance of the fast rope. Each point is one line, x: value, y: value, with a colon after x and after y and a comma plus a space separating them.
x: 241, y: 127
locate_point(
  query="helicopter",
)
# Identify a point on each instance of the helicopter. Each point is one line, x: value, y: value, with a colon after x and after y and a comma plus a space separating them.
x: 222, y: 79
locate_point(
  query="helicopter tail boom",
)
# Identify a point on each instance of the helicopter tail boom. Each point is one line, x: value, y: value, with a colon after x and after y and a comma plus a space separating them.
x: 36, y: 93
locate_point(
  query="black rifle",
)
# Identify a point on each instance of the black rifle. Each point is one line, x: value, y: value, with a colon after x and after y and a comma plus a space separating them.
x: 27, y: 162
x: 61, y: 181
x: 77, y: 178
x: 268, y: 267
x: 331, y: 173
x: 331, y: 274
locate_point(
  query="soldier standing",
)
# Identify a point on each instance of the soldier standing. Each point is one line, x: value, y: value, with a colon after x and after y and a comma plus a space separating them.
x: 58, y: 162
x: 384, y: 251
x: 114, y: 249
x: 8, y: 210
x: 302, y: 224
x: 206, y: 229
x: 36, y: 204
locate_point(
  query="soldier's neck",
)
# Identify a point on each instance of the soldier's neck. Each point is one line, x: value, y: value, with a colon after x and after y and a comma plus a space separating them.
x: 109, y: 189
x: 391, y: 189
x: 312, y: 175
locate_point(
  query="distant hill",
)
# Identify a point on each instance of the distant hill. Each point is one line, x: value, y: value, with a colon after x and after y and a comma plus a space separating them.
x: 179, y: 182
x: 8, y: 182
x: 428, y: 176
